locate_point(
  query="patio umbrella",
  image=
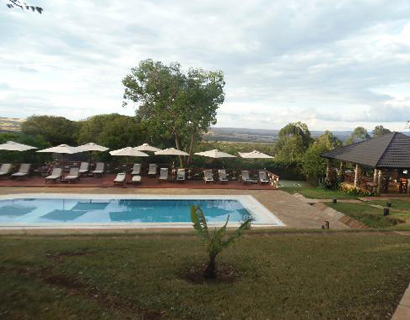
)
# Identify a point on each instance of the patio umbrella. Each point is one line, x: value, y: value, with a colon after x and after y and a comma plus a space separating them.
x: 14, y: 146
x: 62, y: 149
x: 128, y: 152
x: 215, y: 154
x: 171, y: 152
x: 90, y: 147
x: 254, y: 155
x: 146, y: 147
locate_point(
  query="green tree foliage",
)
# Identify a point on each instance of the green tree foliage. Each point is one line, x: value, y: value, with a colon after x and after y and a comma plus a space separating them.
x: 111, y: 130
x: 313, y: 165
x: 329, y: 140
x: 294, y: 140
x: 18, y: 4
x: 358, y: 134
x: 379, y: 131
x: 54, y: 130
x: 172, y: 103
x: 217, y: 240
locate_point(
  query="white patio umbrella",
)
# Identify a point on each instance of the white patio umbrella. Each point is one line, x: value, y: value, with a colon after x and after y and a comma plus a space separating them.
x: 255, y: 155
x: 90, y: 147
x: 12, y: 146
x: 147, y: 147
x: 171, y: 152
x: 62, y: 149
x: 215, y: 154
x: 15, y: 146
x: 128, y: 152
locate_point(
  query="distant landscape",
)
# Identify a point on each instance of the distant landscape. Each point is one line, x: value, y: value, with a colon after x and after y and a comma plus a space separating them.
x: 220, y: 134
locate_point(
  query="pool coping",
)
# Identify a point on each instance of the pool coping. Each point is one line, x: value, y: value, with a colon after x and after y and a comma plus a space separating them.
x: 266, y: 218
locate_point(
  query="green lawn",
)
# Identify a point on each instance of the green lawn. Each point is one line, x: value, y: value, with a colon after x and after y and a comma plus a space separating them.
x: 319, y: 193
x: 341, y: 275
x: 396, y: 204
x: 371, y: 216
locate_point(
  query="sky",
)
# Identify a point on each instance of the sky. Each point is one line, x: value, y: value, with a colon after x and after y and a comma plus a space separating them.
x: 334, y: 65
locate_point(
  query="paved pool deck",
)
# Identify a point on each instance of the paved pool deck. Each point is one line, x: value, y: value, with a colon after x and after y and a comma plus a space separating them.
x: 293, y: 212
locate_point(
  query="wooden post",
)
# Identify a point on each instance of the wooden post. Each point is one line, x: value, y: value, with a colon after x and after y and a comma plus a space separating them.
x: 342, y: 170
x: 375, y: 175
x: 329, y: 170
x: 356, y: 176
x: 379, y: 182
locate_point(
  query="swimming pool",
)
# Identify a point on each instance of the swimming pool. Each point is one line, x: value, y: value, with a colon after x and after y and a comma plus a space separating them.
x: 120, y: 211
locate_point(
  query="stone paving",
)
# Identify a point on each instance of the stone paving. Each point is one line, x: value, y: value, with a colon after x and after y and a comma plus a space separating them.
x: 294, y: 213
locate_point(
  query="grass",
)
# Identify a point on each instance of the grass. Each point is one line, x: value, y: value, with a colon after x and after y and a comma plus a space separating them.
x: 371, y: 216
x: 396, y: 204
x: 267, y: 276
x: 319, y: 193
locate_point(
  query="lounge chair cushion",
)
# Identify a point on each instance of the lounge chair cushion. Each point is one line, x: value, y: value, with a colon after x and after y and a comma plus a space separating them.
x: 5, y: 169
x: 120, y: 178
x: 136, y: 179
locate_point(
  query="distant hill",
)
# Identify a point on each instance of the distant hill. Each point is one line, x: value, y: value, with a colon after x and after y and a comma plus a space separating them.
x: 257, y: 135
x: 10, y: 124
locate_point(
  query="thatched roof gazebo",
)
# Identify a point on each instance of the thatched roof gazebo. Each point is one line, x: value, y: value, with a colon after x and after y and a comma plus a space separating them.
x: 386, y: 154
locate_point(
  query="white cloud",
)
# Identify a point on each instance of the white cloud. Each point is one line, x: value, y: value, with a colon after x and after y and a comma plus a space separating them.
x: 332, y: 64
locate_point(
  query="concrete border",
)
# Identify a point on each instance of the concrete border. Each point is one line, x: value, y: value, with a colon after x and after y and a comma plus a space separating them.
x: 403, y: 309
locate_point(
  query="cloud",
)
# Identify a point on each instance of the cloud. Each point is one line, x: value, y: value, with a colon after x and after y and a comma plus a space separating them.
x: 330, y: 64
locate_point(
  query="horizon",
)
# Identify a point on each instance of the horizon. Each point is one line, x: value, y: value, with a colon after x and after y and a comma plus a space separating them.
x: 324, y: 64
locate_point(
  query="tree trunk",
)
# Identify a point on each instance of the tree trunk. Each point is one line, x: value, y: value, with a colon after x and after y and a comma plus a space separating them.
x: 177, y: 145
x: 210, y: 271
x: 191, y: 147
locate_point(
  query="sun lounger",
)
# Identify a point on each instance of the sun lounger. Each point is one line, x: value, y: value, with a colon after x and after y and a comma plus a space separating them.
x: 181, y: 175
x: 5, y: 169
x: 152, y: 169
x: 246, y: 178
x: 263, y: 177
x: 120, y: 178
x: 222, y: 175
x: 136, y: 179
x: 208, y: 176
x: 163, y: 174
x: 99, y: 169
x: 136, y: 169
x: 84, y: 168
x: 73, y: 175
x: 23, y: 171
x: 55, y: 175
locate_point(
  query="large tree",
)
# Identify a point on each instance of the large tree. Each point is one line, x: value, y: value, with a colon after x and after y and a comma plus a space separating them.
x: 54, y: 130
x: 294, y: 140
x: 358, y: 134
x: 313, y: 165
x: 379, y: 131
x: 172, y: 103
x: 111, y: 130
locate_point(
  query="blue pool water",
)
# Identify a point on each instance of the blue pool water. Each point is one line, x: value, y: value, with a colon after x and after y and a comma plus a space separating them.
x: 82, y: 211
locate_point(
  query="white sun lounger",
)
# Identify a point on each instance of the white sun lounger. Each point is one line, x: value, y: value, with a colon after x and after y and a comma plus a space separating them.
x: 163, y: 174
x: 99, y: 169
x: 84, y: 167
x: 23, y: 171
x: 181, y: 175
x: 152, y: 169
x: 120, y: 178
x: 222, y: 175
x: 73, y: 175
x: 136, y: 169
x: 136, y: 179
x: 55, y: 175
x: 246, y: 178
x: 5, y: 169
x: 263, y: 177
x: 208, y: 176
